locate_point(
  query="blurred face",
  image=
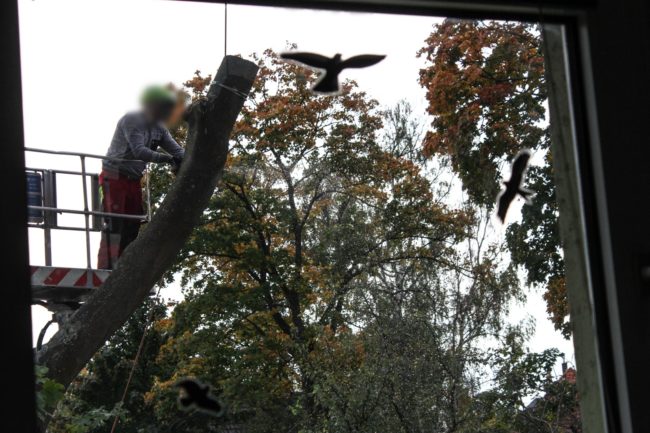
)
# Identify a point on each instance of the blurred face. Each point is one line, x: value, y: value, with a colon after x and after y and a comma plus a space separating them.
x: 159, y: 112
x: 177, y: 113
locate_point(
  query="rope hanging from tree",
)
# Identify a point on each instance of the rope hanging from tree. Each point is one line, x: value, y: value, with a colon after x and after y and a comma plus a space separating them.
x: 135, y: 360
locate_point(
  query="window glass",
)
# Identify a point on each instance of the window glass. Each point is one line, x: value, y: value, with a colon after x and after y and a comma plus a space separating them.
x: 351, y: 271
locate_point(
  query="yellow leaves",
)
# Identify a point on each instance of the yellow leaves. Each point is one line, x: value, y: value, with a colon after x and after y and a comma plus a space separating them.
x: 194, y: 368
x: 368, y: 191
x: 314, y: 275
x: 321, y: 206
x: 174, y: 348
x: 164, y: 324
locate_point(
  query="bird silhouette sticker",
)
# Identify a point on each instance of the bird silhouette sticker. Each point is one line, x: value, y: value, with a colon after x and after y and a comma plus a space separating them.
x: 513, y: 186
x: 198, y: 396
x: 330, y: 67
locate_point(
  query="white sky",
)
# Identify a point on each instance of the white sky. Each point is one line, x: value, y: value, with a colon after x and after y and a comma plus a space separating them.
x: 85, y: 62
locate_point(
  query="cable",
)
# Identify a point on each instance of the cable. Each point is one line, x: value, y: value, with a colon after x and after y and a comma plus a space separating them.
x: 225, y: 54
x: 225, y: 29
x: 232, y: 89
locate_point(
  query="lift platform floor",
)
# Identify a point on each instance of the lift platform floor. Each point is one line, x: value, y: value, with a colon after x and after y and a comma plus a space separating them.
x: 51, y: 283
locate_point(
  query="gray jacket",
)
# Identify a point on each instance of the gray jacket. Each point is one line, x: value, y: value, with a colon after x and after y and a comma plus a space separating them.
x: 136, y: 141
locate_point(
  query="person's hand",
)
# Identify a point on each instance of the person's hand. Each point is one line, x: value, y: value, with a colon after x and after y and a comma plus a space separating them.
x: 166, y: 159
x: 176, y: 164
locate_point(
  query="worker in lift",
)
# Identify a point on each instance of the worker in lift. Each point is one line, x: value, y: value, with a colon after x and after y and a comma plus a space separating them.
x: 136, y: 141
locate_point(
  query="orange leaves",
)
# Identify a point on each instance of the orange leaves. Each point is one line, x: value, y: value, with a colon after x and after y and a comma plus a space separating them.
x: 433, y: 144
x: 494, y: 93
x: 485, y: 84
x: 472, y: 73
x: 557, y: 305
x: 312, y: 203
x: 368, y: 191
x: 198, y: 84
x: 241, y: 248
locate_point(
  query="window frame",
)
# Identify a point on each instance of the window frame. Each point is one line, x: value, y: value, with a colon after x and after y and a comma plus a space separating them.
x: 615, y: 289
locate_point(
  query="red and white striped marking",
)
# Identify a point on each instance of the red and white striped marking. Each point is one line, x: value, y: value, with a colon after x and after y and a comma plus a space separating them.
x: 49, y: 276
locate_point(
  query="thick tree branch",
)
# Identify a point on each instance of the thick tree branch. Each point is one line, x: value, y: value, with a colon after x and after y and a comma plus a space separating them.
x: 145, y: 261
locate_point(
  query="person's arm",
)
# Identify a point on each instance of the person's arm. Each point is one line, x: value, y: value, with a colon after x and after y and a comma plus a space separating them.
x: 171, y: 146
x: 134, y: 134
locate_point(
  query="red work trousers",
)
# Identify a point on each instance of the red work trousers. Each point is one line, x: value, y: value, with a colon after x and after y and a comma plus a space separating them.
x: 121, y: 195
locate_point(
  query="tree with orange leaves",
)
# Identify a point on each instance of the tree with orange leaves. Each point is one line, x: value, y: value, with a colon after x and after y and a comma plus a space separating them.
x: 487, y: 93
x: 311, y: 205
x: 329, y: 287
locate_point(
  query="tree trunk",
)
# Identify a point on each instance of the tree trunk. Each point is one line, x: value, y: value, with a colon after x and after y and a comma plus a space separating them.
x: 145, y: 261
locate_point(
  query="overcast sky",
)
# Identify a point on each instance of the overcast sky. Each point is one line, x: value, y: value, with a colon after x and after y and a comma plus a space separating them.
x: 85, y: 62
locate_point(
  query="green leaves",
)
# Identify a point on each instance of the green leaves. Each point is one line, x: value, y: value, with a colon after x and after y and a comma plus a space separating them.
x: 48, y: 393
x: 93, y: 419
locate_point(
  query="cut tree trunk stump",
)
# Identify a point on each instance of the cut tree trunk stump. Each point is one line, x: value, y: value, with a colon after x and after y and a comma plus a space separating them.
x: 154, y: 251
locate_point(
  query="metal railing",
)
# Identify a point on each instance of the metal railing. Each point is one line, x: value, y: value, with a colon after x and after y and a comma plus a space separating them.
x: 87, y: 212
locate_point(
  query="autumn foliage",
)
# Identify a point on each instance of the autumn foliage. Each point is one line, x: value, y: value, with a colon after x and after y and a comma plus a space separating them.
x: 486, y: 90
x: 331, y: 285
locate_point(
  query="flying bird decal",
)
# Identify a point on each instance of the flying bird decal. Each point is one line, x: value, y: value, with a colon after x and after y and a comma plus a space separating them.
x: 195, y: 395
x: 513, y: 187
x: 328, y: 81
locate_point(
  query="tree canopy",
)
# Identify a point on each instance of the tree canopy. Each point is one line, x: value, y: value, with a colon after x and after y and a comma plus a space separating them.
x: 485, y: 85
x: 330, y: 286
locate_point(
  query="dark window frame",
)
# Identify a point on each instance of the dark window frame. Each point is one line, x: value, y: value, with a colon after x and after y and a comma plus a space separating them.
x: 614, y: 253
